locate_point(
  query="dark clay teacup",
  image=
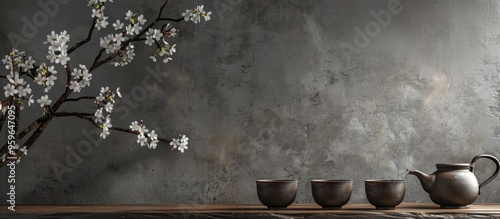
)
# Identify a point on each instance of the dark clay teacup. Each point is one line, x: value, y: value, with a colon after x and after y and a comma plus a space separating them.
x: 385, y: 194
x: 331, y: 194
x: 277, y: 194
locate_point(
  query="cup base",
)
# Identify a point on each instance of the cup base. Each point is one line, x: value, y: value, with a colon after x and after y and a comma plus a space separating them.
x: 276, y: 208
x: 385, y: 208
x: 332, y: 208
x: 452, y: 207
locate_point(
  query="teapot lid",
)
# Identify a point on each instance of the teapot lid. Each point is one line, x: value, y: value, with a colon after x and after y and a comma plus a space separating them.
x: 453, y: 166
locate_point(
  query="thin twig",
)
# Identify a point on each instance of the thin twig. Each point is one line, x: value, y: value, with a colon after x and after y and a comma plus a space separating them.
x: 65, y: 114
x: 171, y: 19
x: 89, y: 36
x: 98, y: 56
x: 80, y: 98
x: 88, y: 117
x: 68, y: 78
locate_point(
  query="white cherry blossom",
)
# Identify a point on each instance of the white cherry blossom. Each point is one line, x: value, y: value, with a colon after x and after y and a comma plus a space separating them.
x: 141, y: 19
x: 135, y: 126
x: 129, y: 15
x: 104, y: 133
x: 75, y: 86
x: 102, y: 23
x: 142, y: 140
x: 98, y: 115
x: 153, y: 143
x: 44, y: 101
x: 97, y: 13
x: 187, y: 15
x: 118, y: 25
x: 30, y: 100
x: 118, y: 92
x: 10, y: 90
x: 153, y: 135
x: 108, y: 107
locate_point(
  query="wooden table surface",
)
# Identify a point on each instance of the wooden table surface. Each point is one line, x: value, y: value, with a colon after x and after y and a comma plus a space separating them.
x: 405, y: 210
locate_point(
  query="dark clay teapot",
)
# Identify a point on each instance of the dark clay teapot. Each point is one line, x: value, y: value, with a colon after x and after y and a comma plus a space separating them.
x: 454, y: 185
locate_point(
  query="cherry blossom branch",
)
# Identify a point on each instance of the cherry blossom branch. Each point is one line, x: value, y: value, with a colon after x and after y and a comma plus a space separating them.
x: 37, y: 127
x: 137, y: 132
x: 136, y: 38
x: 88, y: 117
x: 44, y: 121
x: 126, y: 43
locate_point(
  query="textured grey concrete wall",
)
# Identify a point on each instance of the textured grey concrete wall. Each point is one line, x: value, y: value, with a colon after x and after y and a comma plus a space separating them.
x: 278, y: 89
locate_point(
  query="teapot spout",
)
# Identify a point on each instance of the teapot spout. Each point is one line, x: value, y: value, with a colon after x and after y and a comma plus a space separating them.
x: 426, y: 180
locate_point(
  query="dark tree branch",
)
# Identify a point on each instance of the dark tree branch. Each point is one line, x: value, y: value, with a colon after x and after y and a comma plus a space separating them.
x: 66, y: 114
x: 171, y: 19
x: 89, y: 36
x: 38, y: 131
x: 42, y: 123
x: 98, y: 56
x: 80, y: 98
x: 32, y: 126
x: 68, y: 81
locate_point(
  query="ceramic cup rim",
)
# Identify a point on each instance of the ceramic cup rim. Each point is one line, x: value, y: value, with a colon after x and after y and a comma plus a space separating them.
x: 385, y: 181
x: 331, y: 180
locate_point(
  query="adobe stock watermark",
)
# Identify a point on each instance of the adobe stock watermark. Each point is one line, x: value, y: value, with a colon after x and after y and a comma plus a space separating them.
x: 84, y: 147
x: 32, y: 24
x: 371, y: 30
x: 11, y: 142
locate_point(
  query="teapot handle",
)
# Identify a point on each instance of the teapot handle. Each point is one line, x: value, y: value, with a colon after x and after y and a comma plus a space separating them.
x: 494, y: 159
